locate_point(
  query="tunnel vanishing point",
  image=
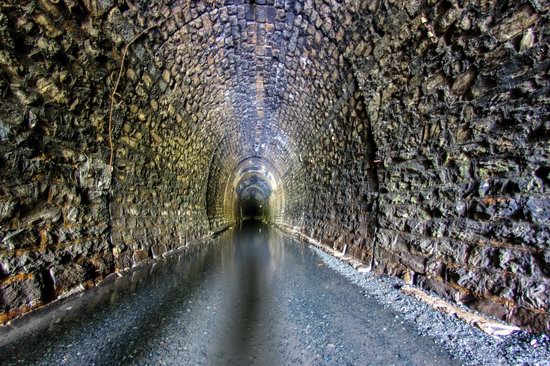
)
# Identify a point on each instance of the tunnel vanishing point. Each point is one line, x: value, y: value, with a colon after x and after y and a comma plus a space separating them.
x: 412, y: 135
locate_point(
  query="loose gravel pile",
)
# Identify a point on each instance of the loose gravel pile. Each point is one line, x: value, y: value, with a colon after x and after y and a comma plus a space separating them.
x: 467, y: 343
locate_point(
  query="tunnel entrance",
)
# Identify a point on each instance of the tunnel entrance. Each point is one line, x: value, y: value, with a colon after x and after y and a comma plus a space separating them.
x: 252, y: 191
x: 252, y: 204
x: 252, y: 209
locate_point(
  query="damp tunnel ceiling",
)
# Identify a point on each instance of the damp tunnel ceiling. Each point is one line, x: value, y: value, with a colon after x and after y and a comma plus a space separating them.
x: 412, y: 133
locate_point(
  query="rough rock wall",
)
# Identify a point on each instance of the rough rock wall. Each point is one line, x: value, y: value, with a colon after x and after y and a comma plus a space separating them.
x: 55, y: 178
x: 221, y: 196
x: 332, y: 196
x: 457, y: 96
x: 65, y: 220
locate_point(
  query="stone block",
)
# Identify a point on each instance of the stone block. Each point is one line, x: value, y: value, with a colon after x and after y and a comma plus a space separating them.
x: 533, y: 320
x: 68, y: 276
x: 140, y: 255
x: 442, y: 289
x: 417, y: 263
x: 20, y: 290
x: 158, y: 250
x: 490, y: 308
x: 519, y: 20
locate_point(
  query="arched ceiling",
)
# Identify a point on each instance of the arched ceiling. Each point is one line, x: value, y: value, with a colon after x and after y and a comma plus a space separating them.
x: 263, y: 79
x: 259, y: 78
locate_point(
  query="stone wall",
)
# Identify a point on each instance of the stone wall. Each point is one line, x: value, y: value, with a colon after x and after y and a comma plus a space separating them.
x: 55, y: 219
x: 66, y: 221
x: 451, y: 172
x: 457, y: 99
x: 332, y: 197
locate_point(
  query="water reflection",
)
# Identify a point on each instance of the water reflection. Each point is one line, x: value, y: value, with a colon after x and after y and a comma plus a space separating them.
x: 119, y: 311
x: 253, y: 297
x: 249, y: 301
x: 133, y: 309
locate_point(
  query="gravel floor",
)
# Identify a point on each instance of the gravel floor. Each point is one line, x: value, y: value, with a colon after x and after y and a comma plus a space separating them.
x: 252, y: 297
x: 463, y: 341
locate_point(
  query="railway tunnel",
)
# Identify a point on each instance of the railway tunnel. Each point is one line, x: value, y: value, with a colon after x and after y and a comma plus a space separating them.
x: 413, y: 136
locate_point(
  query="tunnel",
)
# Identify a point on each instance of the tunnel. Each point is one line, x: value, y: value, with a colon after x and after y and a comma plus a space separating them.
x: 411, y: 136
x: 252, y: 190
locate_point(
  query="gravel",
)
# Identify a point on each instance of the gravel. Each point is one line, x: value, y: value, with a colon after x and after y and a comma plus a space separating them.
x: 255, y: 297
x: 461, y: 340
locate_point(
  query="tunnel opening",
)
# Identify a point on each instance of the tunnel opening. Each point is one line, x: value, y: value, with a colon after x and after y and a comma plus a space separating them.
x: 252, y: 190
x: 252, y: 205
x: 251, y: 209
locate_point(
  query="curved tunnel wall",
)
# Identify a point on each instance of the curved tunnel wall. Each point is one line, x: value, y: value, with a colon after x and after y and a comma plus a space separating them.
x: 413, y: 133
x: 227, y: 190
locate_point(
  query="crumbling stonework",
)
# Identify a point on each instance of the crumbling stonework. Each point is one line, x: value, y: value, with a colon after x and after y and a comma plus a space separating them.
x: 413, y: 135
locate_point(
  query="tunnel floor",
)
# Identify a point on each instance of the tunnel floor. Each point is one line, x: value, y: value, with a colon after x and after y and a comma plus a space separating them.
x: 255, y: 296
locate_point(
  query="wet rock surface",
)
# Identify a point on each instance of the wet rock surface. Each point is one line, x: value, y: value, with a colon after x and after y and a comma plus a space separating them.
x: 248, y: 298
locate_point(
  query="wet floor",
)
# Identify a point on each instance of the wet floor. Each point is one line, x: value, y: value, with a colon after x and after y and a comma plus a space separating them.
x: 254, y: 296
